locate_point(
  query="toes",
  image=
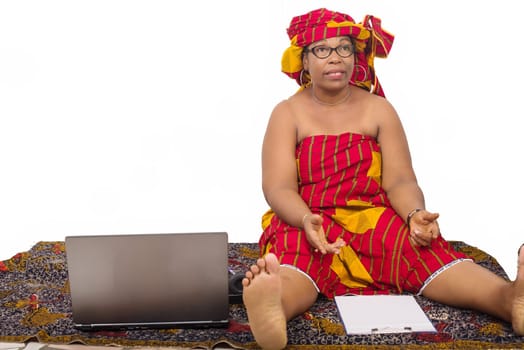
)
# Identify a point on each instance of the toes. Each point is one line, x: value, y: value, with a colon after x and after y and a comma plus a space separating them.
x: 268, y: 264
x: 272, y: 264
x: 246, y: 281
x: 261, y: 263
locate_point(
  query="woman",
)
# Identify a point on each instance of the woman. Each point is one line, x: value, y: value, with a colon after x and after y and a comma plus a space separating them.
x: 347, y: 215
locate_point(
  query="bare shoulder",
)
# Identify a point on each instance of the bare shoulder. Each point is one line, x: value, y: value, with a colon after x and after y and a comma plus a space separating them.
x: 282, y: 124
x: 376, y: 112
x: 286, y: 111
x: 375, y: 104
x: 281, y: 109
x: 386, y: 115
x: 386, y: 122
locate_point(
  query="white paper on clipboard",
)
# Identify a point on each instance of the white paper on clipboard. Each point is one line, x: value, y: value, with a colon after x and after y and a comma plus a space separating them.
x: 374, y: 314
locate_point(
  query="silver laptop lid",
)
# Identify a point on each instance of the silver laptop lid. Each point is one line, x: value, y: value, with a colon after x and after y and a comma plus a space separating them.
x: 148, y: 280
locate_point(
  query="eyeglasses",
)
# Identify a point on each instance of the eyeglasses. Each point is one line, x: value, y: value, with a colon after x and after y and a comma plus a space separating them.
x: 323, y: 51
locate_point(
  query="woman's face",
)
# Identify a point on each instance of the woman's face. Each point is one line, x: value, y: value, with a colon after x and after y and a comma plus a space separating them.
x: 330, y: 62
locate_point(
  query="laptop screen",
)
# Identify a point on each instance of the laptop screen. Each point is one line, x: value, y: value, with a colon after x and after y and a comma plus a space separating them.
x: 148, y: 280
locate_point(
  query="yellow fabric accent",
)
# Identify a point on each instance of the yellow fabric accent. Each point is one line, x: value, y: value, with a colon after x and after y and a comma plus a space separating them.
x: 375, y: 170
x: 349, y: 269
x: 292, y: 58
x: 372, y: 85
x: 327, y: 325
x: 266, y: 218
x: 358, y: 216
x: 267, y: 249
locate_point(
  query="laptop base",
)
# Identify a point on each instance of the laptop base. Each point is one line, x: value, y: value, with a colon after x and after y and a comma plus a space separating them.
x: 132, y: 327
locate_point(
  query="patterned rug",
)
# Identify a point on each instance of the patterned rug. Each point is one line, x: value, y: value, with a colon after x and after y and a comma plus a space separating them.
x: 35, y: 306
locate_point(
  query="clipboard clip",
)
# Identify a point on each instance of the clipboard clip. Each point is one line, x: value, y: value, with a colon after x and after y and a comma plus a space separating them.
x: 391, y: 330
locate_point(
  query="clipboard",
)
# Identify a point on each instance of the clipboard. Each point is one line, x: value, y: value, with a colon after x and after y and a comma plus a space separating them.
x: 378, y: 314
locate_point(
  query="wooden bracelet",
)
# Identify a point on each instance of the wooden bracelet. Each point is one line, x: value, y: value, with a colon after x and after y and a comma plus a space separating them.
x: 411, y: 213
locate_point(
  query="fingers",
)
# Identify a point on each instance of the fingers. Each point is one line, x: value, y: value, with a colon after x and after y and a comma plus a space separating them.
x: 319, y: 247
x: 424, y: 238
x: 436, y: 231
x: 424, y: 217
x: 331, y: 248
x: 414, y: 241
x: 317, y: 238
x: 424, y: 228
x: 315, y: 233
x: 431, y: 216
x: 334, y: 248
x: 419, y: 238
x: 318, y: 244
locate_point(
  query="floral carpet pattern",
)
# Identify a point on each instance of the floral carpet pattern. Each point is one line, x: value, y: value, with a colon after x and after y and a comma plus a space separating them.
x: 35, y: 306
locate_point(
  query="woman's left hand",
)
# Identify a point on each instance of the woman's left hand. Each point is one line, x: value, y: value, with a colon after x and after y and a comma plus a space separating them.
x: 424, y: 228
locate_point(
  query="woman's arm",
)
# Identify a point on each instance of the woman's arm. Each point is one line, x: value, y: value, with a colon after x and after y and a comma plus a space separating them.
x: 280, y: 178
x: 399, y: 179
x: 279, y: 173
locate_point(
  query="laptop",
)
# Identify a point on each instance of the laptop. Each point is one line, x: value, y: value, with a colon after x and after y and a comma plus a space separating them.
x: 136, y: 281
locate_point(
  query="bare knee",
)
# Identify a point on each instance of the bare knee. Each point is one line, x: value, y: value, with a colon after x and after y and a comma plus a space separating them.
x: 298, y: 292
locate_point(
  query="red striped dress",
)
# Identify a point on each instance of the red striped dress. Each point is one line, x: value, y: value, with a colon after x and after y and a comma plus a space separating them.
x: 340, y: 178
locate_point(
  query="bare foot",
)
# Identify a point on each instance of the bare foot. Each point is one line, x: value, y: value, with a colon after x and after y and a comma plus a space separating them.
x: 517, y: 310
x: 261, y: 294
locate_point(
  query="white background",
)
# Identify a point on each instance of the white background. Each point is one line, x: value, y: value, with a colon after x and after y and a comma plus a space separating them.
x: 148, y: 116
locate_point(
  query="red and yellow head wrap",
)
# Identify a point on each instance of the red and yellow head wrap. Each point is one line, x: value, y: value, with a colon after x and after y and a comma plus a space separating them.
x: 369, y: 38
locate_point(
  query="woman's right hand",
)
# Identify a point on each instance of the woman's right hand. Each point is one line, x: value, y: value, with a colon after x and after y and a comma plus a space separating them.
x: 316, y: 236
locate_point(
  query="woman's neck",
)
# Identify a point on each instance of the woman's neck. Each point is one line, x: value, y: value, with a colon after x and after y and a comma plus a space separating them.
x: 333, y: 102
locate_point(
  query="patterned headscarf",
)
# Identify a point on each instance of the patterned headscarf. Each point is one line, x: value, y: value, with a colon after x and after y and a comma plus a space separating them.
x: 369, y: 38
